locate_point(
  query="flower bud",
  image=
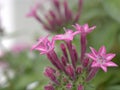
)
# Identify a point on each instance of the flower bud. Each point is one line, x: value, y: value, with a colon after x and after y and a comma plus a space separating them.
x: 63, y: 48
x: 70, y: 71
x: 64, y: 61
x: 57, y: 4
x: 69, y: 86
x: 80, y: 87
x: 86, y: 62
x: 49, y: 72
x: 92, y: 73
x: 49, y: 87
x: 79, y: 70
x: 75, y: 53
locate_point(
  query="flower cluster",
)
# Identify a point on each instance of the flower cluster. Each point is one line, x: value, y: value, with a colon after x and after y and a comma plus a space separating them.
x: 71, y: 71
x: 57, y: 18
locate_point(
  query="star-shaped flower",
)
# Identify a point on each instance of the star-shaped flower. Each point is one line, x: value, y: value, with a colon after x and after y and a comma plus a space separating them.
x: 84, y: 29
x: 44, y: 45
x: 67, y: 36
x: 101, y: 59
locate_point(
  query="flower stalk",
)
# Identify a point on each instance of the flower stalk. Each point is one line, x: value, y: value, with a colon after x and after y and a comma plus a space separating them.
x: 83, y: 46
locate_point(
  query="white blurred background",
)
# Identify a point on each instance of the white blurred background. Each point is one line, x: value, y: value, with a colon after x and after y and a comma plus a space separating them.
x: 17, y: 27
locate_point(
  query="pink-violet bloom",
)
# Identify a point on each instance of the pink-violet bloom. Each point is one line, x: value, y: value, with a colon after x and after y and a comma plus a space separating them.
x: 49, y: 87
x: 73, y: 70
x: 70, y: 71
x: 84, y: 29
x: 69, y: 86
x: 91, y: 73
x: 49, y: 72
x: 58, y: 17
x: 64, y: 50
x: 101, y: 59
x: 44, y: 45
x: 67, y: 36
x: 79, y: 70
x: 80, y: 87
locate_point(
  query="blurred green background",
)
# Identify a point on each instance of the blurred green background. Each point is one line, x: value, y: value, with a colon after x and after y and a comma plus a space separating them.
x: 27, y: 66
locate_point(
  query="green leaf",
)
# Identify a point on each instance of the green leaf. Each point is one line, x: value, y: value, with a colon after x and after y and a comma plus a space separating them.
x: 112, y: 7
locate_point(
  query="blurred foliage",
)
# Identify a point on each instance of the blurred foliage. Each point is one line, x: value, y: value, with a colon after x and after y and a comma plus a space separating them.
x: 105, y: 14
x: 27, y: 69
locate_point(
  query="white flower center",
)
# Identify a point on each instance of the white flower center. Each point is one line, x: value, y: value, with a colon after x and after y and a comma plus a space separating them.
x: 101, y: 60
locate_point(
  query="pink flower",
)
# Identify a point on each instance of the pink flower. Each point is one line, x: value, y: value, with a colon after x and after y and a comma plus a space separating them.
x: 69, y: 86
x: 84, y: 29
x: 79, y: 70
x: 70, y: 71
x: 49, y: 87
x: 80, y: 87
x: 49, y: 72
x: 68, y: 36
x: 64, y: 50
x: 91, y: 73
x: 101, y: 59
x: 44, y: 45
x: 59, y: 16
x: 71, y: 67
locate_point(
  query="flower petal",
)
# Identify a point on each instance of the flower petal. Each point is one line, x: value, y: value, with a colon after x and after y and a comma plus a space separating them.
x: 111, y: 64
x: 42, y: 39
x: 68, y: 35
x: 104, y: 68
x: 91, y: 29
x: 76, y: 32
x: 86, y: 27
x: 59, y: 37
x: 77, y: 27
x: 102, y: 50
x: 94, y: 64
x: 91, y: 56
x: 109, y: 56
x: 93, y: 51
